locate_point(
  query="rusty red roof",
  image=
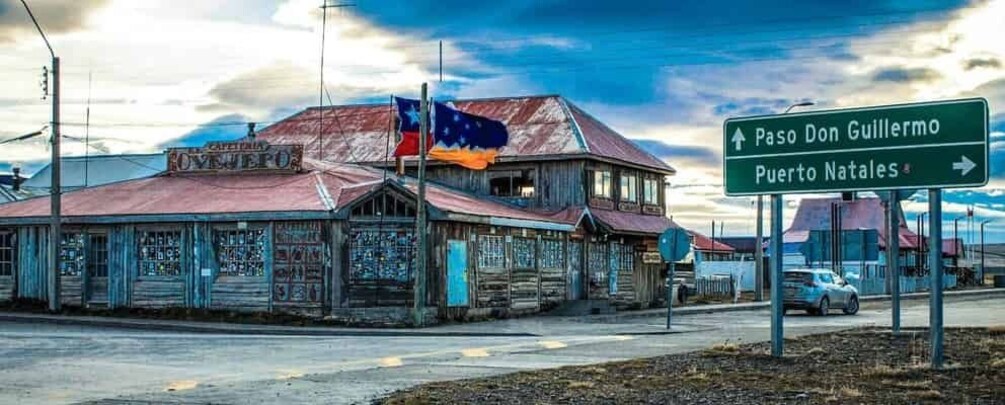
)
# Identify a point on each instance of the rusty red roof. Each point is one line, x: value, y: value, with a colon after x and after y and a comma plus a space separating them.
x: 628, y: 222
x: 706, y: 244
x: 322, y: 188
x: 539, y: 126
x: 814, y: 214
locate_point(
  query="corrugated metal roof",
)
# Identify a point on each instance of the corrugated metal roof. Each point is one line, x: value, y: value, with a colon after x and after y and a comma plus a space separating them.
x: 249, y: 193
x: 814, y: 214
x: 538, y: 126
x: 706, y: 244
x: 952, y: 247
x: 100, y: 169
x: 627, y: 222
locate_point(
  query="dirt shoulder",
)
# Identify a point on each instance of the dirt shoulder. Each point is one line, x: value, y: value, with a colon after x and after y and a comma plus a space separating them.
x: 857, y: 366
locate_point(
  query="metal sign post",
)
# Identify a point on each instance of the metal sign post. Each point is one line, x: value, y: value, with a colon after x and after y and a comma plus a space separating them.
x: 935, y: 272
x: 777, y: 311
x: 673, y: 246
x: 893, y: 257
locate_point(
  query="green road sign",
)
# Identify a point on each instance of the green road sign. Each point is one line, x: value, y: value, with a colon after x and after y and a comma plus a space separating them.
x: 923, y: 145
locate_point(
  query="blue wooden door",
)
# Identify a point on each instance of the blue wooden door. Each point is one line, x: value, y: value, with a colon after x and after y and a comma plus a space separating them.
x: 457, y: 273
x: 576, y: 270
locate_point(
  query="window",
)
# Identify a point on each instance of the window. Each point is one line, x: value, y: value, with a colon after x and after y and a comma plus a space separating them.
x: 97, y: 255
x: 826, y: 278
x: 512, y: 183
x: 382, y: 254
x: 6, y: 254
x: 627, y: 258
x: 629, y: 188
x: 651, y: 192
x: 240, y: 253
x: 524, y: 254
x: 160, y: 253
x: 552, y: 254
x: 71, y: 255
x: 602, y: 183
x: 491, y: 251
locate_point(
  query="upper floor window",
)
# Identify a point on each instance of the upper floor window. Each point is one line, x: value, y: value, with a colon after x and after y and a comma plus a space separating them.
x: 512, y: 183
x: 651, y: 191
x: 629, y: 188
x: 602, y: 183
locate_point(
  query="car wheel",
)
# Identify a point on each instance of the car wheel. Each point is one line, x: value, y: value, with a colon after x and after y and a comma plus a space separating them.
x: 824, y: 306
x: 852, y: 307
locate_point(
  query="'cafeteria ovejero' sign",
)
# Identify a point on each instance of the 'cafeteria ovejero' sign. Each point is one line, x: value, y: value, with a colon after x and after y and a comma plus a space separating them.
x: 236, y: 156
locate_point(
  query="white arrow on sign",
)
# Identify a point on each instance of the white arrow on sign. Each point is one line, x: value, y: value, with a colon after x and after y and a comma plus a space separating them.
x: 964, y: 165
x: 738, y: 139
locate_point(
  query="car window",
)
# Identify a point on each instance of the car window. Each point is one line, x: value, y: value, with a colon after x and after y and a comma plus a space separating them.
x: 837, y: 279
x: 826, y: 278
x: 798, y: 277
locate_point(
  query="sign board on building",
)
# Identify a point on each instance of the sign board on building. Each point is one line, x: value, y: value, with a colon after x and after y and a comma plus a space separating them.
x: 651, y: 258
x: 236, y: 156
x: 922, y: 145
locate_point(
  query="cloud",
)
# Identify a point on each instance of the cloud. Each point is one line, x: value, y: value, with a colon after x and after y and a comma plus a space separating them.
x: 906, y: 75
x: 224, y: 128
x: 971, y: 64
x: 55, y: 17
x: 669, y: 152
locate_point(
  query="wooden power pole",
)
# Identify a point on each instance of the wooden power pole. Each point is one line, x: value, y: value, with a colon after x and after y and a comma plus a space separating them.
x: 419, y: 301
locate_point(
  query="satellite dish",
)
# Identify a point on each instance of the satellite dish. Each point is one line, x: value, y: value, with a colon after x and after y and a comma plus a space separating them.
x: 674, y: 244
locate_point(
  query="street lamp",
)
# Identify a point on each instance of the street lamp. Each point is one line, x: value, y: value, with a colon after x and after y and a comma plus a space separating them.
x: 802, y: 104
x: 980, y: 281
x: 759, y: 239
x: 55, y: 233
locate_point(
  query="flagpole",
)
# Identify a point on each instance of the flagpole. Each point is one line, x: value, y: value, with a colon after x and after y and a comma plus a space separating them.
x: 419, y: 289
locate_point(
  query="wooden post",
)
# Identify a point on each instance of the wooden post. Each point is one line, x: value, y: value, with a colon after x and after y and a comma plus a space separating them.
x: 420, y: 217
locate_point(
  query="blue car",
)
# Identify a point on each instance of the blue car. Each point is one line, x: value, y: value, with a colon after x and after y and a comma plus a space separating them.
x: 818, y: 291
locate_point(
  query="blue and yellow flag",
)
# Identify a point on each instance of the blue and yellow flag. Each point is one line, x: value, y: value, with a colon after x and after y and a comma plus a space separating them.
x: 466, y: 139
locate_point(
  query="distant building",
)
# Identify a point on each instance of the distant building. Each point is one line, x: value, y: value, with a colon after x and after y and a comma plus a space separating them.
x: 811, y: 239
x: 80, y: 171
x: 707, y: 249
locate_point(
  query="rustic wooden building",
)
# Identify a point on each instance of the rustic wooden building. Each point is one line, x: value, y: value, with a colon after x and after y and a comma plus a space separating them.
x: 252, y: 226
x: 561, y: 162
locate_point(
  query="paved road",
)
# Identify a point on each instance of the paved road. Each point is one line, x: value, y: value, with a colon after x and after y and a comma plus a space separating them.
x: 42, y: 363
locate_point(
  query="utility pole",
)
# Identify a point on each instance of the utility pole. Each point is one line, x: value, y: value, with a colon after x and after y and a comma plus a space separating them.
x: 55, y: 233
x: 980, y: 280
x: 419, y: 300
x: 759, y: 239
x: 893, y: 257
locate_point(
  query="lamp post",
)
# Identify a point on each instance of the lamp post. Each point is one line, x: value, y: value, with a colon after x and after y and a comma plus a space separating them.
x: 759, y: 239
x: 55, y: 233
x: 980, y: 281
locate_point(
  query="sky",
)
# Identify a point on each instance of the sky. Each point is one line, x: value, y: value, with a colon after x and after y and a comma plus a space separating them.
x: 147, y: 74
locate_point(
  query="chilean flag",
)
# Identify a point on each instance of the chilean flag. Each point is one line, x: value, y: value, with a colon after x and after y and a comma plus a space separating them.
x: 408, y: 127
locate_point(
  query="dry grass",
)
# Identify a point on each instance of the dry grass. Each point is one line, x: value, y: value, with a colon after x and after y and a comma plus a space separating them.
x: 849, y: 392
x: 882, y: 370
x: 725, y: 347
x: 998, y: 363
x: 997, y: 330
x: 581, y: 384
x: 908, y: 384
x: 815, y: 351
x: 595, y: 370
x: 929, y: 395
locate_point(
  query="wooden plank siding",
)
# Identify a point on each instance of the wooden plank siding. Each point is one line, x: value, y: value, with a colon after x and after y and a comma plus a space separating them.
x: 71, y: 290
x: 6, y: 288
x: 122, y: 266
x: 557, y: 184
x: 240, y: 293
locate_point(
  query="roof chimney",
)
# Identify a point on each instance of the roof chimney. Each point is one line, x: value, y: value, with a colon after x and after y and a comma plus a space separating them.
x: 16, y: 185
x: 251, y: 131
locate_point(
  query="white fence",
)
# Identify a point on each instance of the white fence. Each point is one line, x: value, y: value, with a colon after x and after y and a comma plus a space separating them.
x: 743, y: 272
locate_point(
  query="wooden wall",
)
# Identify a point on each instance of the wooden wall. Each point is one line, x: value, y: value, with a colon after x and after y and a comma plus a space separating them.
x: 33, y: 262
x: 558, y: 183
x: 6, y: 288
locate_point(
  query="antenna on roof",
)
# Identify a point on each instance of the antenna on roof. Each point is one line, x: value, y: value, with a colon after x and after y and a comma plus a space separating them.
x: 321, y: 93
x: 87, y: 130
